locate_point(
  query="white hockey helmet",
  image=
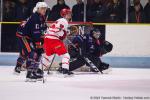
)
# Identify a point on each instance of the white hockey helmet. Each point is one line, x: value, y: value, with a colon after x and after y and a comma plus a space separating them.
x: 40, y: 5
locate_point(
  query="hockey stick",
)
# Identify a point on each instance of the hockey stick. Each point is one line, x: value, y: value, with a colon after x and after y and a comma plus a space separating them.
x: 48, y: 72
x: 43, y: 72
x: 48, y: 12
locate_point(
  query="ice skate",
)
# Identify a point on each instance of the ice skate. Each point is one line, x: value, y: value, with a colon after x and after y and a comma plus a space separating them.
x: 105, y: 68
x: 17, y: 70
x: 31, y: 77
x: 66, y: 72
x: 39, y: 74
x: 59, y: 70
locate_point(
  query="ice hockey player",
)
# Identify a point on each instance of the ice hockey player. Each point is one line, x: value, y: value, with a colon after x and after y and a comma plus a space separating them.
x: 30, y: 37
x: 87, y: 49
x: 53, y: 41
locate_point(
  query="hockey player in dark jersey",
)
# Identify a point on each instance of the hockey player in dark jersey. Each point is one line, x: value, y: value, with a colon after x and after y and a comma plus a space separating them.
x: 30, y: 39
x: 88, y: 49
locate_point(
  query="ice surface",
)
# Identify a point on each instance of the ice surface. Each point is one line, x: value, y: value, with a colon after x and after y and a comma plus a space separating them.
x: 120, y: 82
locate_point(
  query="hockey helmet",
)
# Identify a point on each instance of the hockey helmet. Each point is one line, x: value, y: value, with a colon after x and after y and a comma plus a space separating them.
x: 65, y: 11
x: 96, y: 33
x: 40, y: 5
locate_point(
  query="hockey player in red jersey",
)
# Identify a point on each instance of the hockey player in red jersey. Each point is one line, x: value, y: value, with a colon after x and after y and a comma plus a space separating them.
x: 53, y: 41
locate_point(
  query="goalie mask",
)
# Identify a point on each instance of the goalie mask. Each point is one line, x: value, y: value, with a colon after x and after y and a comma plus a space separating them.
x: 96, y: 33
x: 74, y: 30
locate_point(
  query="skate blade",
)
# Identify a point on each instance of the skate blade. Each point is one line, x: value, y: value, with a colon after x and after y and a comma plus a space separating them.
x: 30, y: 80
x: 107, y: 71
x: 40, y: 79
x: 66, y: 75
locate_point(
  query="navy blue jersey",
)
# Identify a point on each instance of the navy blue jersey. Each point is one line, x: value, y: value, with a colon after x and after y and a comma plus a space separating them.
x: 78, y: 41
x: 92, y: 45
x: 88, y: 44
x: 33, y: 27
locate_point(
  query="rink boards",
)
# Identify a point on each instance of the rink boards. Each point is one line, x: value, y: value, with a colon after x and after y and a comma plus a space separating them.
x: 116, y: 62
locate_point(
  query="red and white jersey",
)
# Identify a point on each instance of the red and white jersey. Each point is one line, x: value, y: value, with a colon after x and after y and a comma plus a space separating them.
x: 58, y: 29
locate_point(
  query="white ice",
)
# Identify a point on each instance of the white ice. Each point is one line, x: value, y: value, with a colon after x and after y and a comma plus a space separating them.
x: 121, y: 83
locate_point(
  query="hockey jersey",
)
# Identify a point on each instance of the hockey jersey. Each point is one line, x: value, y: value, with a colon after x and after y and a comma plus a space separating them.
x: 58, y: 29
x: 87, y: 44
x: 33, y: 27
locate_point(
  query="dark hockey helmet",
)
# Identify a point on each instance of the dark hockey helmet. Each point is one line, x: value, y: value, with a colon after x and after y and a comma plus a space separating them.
x: 96, y: 33
x: 95, y: 30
